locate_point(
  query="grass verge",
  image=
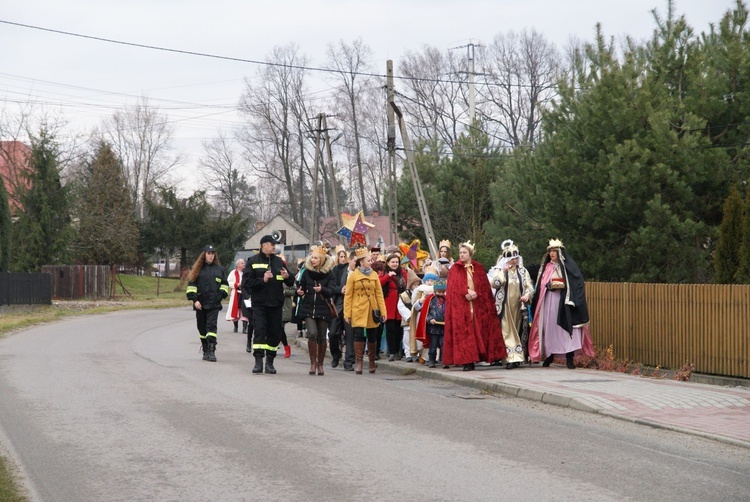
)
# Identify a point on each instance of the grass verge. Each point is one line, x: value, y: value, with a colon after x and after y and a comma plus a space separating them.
x: 135, y: 292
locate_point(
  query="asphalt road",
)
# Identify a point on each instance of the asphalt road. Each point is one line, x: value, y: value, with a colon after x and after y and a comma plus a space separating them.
x: 120, y: 406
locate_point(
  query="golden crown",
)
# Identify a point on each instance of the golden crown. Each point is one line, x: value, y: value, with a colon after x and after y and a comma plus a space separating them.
x: 338, y: 249
x: 445, y: 243
x: 361, y: 252
x: 468, y: 245
x: 555, y: 243
x: 318, y: 250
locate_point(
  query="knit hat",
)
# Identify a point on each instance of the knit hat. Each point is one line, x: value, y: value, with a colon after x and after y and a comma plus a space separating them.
x: 429, y: 277
x: 440, y: 286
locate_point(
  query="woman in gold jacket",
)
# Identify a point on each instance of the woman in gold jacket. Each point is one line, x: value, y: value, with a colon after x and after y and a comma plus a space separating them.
x: 363, y: 295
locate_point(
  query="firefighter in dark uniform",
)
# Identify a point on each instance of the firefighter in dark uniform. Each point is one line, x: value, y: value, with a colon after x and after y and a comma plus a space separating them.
x: 263, y: 282
x: 207, y: 286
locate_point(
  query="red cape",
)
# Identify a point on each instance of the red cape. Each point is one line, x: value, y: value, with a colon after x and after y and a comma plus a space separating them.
x: 470, y: 339
x: 421, y: 333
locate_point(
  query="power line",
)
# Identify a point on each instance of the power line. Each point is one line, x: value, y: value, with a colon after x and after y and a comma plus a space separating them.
x: 228, y: 58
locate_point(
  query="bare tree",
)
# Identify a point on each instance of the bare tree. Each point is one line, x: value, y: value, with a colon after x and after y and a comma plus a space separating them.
x: 223, y: 175
x: 373, y: 132
x: 275, y: 134
x: 349, y: 62
x: 433, y: 95
x: 521, y: 74
x: 142, y: 139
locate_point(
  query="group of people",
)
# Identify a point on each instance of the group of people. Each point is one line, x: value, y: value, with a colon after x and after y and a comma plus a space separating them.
x: 454, y: 312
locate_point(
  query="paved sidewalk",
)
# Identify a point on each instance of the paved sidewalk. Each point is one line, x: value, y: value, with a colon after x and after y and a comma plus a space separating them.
x: 711, y: 411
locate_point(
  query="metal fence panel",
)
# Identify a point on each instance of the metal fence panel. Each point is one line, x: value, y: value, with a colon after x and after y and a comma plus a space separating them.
x: 23, y: 288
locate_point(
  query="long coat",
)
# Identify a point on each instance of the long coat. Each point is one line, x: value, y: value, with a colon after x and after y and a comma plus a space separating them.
x: 472, y: 329
x: 234, y: 313
x: 314, y: 304
x: 363, y: 293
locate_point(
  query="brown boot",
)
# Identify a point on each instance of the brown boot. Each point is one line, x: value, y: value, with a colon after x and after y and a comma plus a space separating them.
x: 312, y: 348
x: 359, y: 354
x: 321, y: 356
x: 371, y: 350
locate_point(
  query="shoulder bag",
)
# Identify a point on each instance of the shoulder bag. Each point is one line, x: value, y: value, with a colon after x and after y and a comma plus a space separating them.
x: 332, y: 311
x: 376, y: 314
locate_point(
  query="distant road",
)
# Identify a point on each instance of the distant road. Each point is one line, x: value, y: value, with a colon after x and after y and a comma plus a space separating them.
x: 120, y: 406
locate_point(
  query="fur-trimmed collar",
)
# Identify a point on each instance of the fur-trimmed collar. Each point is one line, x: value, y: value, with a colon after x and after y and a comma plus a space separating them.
x: 324, y: 269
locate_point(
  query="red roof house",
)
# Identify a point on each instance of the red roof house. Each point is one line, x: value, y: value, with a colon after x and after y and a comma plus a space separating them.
x: 14, y: 163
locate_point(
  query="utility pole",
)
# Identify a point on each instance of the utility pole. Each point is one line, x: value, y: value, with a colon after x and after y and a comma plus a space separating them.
x: 470, y: 47
x: 421, y: 202
x: 391, y: 143
x: 470, y: 54
x: 332, y: 173
x: 314, y: 203
x: 319, y: 164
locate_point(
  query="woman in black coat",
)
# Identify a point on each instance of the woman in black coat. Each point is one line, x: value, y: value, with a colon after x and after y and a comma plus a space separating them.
x: 315, y: 288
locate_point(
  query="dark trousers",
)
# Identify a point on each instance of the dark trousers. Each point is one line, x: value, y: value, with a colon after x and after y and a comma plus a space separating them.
x: 393, y: 336
x: 267, y: 328
x: 349, y: 358
x: 282, y: 336
x: 366, y: 334
x: 436, y: 342
x: 316, y: 329
x: 334, y: 335
x: 206, y: 320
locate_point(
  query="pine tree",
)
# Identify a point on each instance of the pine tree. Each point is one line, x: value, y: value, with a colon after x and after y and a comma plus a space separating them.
x: 743, y: 271
x: 43, y: 232
x: 625, y: 173
x: 457, y: 192
x: 726, y: 259
x: 108, y: 234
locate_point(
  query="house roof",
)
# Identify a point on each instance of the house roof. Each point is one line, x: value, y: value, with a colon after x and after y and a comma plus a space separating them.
x: 294, y: 233
x: 14, y: 163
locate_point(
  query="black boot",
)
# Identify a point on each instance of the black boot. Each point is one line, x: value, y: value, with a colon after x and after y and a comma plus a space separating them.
x: 235, y: 326
x: 548, y: 361
x: 249, y: 347
x: 569, y: 361
x: 211, y: 350
x: 269, y: 363
x: 258, y: 363
x: 244, y: 327
x: 204, y: 348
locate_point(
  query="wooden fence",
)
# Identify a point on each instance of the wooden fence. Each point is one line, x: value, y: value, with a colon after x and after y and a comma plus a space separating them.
x: 671, y: 325
x: 73, y: 282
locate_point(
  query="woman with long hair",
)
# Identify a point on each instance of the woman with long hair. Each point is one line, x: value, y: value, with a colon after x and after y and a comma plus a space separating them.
x: 393, y: 281
x: 561, y: 314
x: 314, y: 290
x: 207, y: 286
x: 364, y: 308
x: 472, y: 328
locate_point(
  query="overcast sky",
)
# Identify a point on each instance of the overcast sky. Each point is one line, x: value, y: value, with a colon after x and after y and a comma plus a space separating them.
x: 86, y: 80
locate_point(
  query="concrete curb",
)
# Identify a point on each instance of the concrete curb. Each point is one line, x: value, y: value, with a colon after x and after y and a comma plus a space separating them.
x: 537, y: 395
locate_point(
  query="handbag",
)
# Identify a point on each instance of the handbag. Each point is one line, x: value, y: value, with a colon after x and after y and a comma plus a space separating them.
x: 376, y: 315
x: 332, y: 311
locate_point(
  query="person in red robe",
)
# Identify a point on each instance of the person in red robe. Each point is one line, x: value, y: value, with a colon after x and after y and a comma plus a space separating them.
x: 472, y: 328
